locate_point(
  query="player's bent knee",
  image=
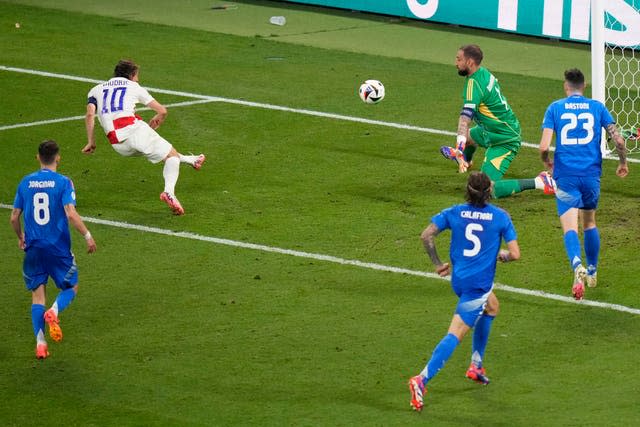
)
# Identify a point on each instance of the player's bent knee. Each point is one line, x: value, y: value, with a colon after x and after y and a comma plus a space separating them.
x: 172, y: 153
x: 493, y: 306
x: 493, y: 311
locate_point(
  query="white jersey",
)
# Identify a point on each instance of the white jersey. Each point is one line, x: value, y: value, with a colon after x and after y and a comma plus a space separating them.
x: 115, y: 102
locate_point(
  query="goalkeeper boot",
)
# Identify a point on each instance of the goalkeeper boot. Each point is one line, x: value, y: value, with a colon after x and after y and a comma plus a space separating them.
x: 199, y: 162
x: 42, y: 351
x: 54, y: 325
x: 547, y: 182
x: 417, y: 388
x: 456, y: 155
x: 578, y: 283
x: 477, y: 374
x: 172, y: 202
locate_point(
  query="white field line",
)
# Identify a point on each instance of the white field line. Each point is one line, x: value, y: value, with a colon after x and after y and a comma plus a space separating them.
x: 240, y: 102
x: 328, y: 258
x: 343, y: 261
x: 258, y: 105
x: 255, y: 105
x: 68, y: 119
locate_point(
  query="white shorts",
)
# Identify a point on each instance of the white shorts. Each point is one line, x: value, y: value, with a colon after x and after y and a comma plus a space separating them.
x: 144, y: 141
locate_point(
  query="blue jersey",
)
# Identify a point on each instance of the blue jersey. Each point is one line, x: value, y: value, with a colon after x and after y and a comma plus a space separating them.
x: 577, y: 122
x: 476, y: 235
x: 42, y: 196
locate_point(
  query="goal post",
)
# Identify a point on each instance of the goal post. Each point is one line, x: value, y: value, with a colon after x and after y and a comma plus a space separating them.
x: 615, y: 65
x: 597, y: 50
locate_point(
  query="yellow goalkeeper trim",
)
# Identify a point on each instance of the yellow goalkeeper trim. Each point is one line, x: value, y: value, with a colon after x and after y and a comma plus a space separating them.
x: 497, y: 162
x: 484, y: 110
x: 469, y: 90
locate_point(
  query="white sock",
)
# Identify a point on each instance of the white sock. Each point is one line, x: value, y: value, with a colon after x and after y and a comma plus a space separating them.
x: 188, y: 159
x: 171, y: 172
x: 539, y: 183
x: 40, y: 338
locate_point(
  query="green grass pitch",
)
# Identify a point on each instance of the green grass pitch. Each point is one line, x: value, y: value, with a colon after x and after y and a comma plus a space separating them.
x: 176, y: 331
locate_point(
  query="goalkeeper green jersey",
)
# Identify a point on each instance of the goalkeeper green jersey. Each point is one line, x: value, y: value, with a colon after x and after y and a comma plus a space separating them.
x: 491, y: 111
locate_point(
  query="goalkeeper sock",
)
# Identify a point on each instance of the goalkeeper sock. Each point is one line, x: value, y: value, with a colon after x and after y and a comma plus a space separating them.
x: 527, y: 184
x: 572, y: 245
x: 480, y: 338
x: 37, y: 320
x: 506, y: 187
x: 592, y: 246
x: 441, y: 354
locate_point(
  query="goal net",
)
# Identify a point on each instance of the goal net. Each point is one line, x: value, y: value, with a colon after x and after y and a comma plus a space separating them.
x: 618, y: 41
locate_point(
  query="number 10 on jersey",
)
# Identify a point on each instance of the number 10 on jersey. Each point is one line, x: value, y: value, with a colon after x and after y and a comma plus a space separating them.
x: 116, y: 100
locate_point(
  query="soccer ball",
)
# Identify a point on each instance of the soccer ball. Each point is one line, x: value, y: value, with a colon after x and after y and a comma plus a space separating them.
x: 371, y: 91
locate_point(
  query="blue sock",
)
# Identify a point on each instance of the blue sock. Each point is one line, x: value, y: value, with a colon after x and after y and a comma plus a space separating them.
x: 572, y: 245
x: 480, y: 338
x: 37, y: 318
x: 592, y: 247
x: 64, y: 299
x: 441, y: 354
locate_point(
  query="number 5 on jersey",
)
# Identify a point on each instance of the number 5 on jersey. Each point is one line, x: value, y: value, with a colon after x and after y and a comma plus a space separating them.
x: 468, y: 233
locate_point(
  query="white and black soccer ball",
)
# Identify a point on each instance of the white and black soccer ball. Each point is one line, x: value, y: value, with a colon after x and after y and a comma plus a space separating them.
x: 371, y: 91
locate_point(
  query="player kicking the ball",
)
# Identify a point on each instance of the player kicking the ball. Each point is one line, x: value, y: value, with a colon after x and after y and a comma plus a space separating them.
x: 497, y: 130
x: 477, y: 230
x: 114, y: 102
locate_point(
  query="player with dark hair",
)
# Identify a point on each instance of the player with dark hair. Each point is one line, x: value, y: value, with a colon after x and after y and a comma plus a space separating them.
x: 577, y: 122
x: 497, y: 130
x: 477, y: 230
x: 478, y: 190
x: 471, y: 51
x: 114, y: 102
x: 48, y: 201
x: 125, y: 68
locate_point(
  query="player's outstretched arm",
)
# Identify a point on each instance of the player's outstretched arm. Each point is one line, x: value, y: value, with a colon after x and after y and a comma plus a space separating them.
x: 621, y: 149
x: 89, y: 124
x: 461, y: 140
x: 464, y: 122
x: 78, y: 224
x: 428, y: 240
x: 161, y: 114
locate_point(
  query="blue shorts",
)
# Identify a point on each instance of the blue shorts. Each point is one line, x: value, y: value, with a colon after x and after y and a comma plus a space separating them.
x: 40, y: 264
x: 471, y: 306
x: 580, y: 192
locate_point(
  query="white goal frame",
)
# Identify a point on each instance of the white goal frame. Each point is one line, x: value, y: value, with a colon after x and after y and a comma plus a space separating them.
x: 607, y: 59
